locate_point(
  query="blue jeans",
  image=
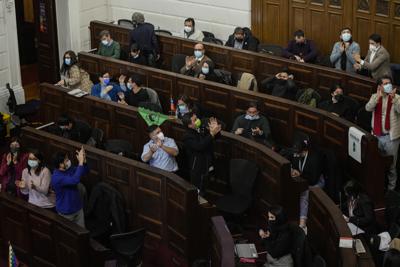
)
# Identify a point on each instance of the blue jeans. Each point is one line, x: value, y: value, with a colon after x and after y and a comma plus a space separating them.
x: 304, y: 198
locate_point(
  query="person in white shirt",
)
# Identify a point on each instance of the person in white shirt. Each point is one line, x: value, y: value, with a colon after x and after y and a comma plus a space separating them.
x: 160, y: 151
x: 190, y: 31
x: 35, y: 182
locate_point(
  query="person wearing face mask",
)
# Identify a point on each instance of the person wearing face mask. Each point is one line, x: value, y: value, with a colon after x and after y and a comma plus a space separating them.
x: 385, y: 108
x: 35, y: 182
x: 338, y: 104
x: 134, y: 92
x: 240, y: 40
x: 76, y: 130
x: 136, y: 56
x: 186, y: 105
x: 72, y: 75
x: 306, y: 163
x: 195, y: 63
x: 106, y: 89
x: 108, y: 47
x: 207, y: 72
x: 343, y: 51
x: 160, y: 151
x: 281, y: 85
x: 199, y: 148
x: 13, y: 163
x: 253, y: 125
x: 64, y: 181
x: 301, y: 49
x: 277, y: 239
x: 191, y: 32
x: 377, y: 61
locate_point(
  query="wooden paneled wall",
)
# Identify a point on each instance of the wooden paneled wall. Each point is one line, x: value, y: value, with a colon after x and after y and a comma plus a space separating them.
x: 274, y: 21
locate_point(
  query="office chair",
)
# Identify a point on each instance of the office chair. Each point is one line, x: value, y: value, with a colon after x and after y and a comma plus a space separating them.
x: 271, y: 49
x: 213, y: 40
x: 177, y: 62
x: 125, y: 23
x: 243, y: 174
x: 22, y: 111
x: 208, y: 34
x: 120, y: 147
x: 96, y: 138
x: 128, y: 247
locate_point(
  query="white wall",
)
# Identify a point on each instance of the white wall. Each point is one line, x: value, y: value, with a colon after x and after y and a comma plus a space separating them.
x: 217, y: 16
x: 91, y: 10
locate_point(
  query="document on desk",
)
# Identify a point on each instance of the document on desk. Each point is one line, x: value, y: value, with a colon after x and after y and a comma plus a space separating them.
x: 345, y: 242
x: 360, y: 247
x: 355, y: 230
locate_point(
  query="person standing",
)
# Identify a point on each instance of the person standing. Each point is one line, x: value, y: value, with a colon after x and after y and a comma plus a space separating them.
x: 343, y: 51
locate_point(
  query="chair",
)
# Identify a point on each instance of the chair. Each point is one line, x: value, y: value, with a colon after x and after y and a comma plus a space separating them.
x: 177, y: 62
x: 243, y: 174
x: 298, y: 245
x: 119, y: 147
x: 319, y: 261
x: 96, y: 139
x: 213, y: 40
x: 22, y: 111
x: 208, y: 34
x: 125, y: 23
x: 163, y: 32
x: 247, y: 82
x: 153, y: 96
x: 128, y: 247
x: 271, y: 49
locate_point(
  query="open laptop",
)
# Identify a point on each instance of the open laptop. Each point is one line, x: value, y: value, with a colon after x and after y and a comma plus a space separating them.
x: 246, y: 251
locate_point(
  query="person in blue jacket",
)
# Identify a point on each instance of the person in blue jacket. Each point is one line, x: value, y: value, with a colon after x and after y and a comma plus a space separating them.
x: 106, y: 89
x: 64, y: 181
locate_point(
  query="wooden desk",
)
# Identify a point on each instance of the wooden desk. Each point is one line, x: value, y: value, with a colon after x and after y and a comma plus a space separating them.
x: 273, y: 185
x: 261, y: 65
x: 325, y: 226
x: 286, y: 117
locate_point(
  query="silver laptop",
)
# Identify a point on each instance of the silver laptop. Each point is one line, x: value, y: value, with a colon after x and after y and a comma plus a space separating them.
x: 246, y: 251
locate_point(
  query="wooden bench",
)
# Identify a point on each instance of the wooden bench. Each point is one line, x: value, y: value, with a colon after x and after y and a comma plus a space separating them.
x: 261, y: 65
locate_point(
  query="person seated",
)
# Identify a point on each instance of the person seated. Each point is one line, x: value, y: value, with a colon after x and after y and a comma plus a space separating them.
x: 307, y: 163
x: 301, y: 49
x: 377, y: 61
x: 207, y: 72
x: 338, y: 105
x: 35, y: 182
x: 186, y: 105
x: 199, y: 147
x: 108, y: 47
x: 253, y: 125
x: 277, y: 239
x: 13, y: 162
x: 308, y: 96
x: 281, y: 85
x: 134, y: 92
x: 160, y: 151
x: 135, y: 56
x: 65, y: 180
x: 75, y: 130
x: 144, y: 36
x: 392, y: 258
x: 358, y: 208
x: 106, y: 89
x: 194, y: 63
x: 191, y: 32
x: 343, y: 51
x: 72, y: 75
x: 240, y: 40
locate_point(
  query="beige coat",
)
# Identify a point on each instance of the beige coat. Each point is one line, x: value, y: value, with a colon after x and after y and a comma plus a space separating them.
x: 394, y: 131
x: 78, y: 78
x: 380, y: 65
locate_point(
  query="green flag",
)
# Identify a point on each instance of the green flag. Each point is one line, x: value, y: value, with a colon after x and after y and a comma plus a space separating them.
x: 152, y: 117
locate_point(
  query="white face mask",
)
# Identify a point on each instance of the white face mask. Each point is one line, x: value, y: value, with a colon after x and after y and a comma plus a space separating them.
x: 161, y: 136
x: 373, y: 48
x: 67, y: 164
x: 104, y: 42
x: 188, y: 29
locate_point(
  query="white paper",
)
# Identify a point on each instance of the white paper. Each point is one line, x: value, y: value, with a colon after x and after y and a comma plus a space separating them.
x: 345, y: 242
x: 384, y: 245
x: 360, y: 247
x: 355, y: 230
x: 355, y: 137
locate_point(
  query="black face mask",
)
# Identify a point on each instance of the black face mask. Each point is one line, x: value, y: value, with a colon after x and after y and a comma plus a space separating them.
x: 239, y: 40
x: 14, y: 150
x: 338, y: 97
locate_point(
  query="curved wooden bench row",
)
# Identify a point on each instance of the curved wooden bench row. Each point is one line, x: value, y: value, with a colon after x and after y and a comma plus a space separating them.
x: 286, y: 117
x: 261, y: 65
x: 165, y: 204
x: 274, y: 184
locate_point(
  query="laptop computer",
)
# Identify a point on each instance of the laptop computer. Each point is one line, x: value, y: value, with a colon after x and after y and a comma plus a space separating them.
x: 246, y: 251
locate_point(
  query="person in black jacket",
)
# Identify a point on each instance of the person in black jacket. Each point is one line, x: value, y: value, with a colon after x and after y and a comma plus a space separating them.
x: 308, y: 164
x: 135, y: 56
x: 359, y: 208
x: 281, y: 85
x: 143, y: 34
x: 207, y: 72
x: 134, y: 93
x: 240, y: 40
x: 75, y: 130
x: 199, y: 147
x: 186, y: 105
x: 277, y: 239
x: 338, y: 105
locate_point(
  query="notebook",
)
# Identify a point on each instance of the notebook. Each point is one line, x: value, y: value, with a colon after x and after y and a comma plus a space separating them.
x: 77, y: 93
x: 246, y: 251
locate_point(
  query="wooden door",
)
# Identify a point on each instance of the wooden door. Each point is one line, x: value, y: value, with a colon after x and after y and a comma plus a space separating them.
x: 378, y: 16
x: 46, y: 33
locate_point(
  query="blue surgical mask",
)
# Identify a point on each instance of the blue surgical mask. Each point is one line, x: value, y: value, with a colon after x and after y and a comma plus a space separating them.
x: 106, y: 81
x: 205, y: 70
x: 129, y: 85
x: 198, y: 54
x: 33, y: 163
x: 387, y: 88
x: 183, y: 109
x: 67, y: 61
x: 346, y: 37
x: 251, y: 118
